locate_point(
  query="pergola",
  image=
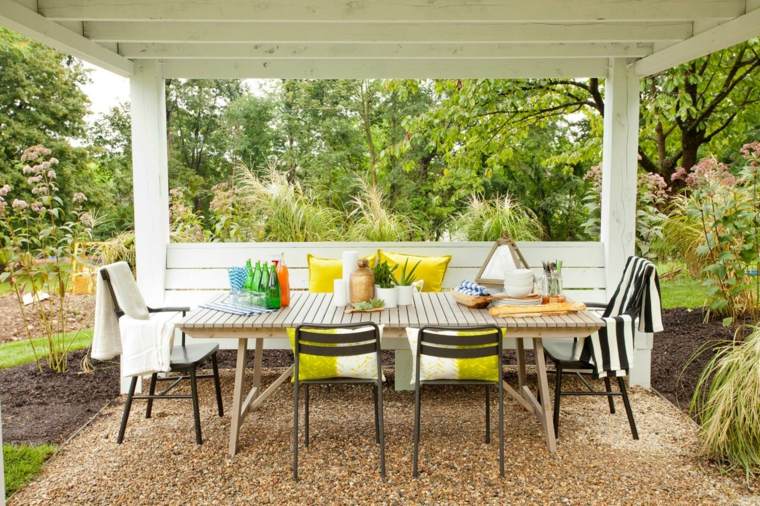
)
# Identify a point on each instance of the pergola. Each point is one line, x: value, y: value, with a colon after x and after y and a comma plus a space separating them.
x: 149, y: 41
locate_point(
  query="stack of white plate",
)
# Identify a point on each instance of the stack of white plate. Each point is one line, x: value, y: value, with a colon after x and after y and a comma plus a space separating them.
x: 518, y: 283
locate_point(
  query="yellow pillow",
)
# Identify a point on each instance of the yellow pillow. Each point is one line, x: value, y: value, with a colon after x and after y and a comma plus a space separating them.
x: 431, y: 270
x: 323, y: 271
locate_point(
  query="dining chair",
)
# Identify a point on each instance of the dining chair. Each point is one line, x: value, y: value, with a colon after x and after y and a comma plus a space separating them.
x: 185, y: 360
x: 337, y: 355
x: 458, y: 356
x: 609, y: 351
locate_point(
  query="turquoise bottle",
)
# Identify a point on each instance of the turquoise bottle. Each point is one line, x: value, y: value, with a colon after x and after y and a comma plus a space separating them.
x: 272, y: 299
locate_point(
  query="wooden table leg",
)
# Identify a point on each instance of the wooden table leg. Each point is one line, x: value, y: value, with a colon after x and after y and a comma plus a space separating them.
x: 522, y: 376
x: 237, y: 399
x: 257, y: 360
x: 543, y: 388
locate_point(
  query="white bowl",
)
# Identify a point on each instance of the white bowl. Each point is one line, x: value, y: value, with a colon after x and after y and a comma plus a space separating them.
x: 518, y: 291
x: 519, y: 275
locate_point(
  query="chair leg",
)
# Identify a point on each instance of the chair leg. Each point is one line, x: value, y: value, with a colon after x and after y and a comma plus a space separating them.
x: 501, y: 431
x: 377, y: 420
x: 151, y: 393
x: 217, y: 385
x: 488, y: 414
x: 295, y: 431
x: 608, y: 387
x: 306, y: 416
x: 196, y: 408
x: 127, y: 407
x: 379, y: 410
x: 628, y: 410
x: 415, y: 455
x: 557, y: 396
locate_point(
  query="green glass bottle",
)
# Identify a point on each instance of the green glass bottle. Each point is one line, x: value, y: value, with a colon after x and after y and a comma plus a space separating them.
x: 249, y: 276
x: 264, y: 281
x: 273, y: 289
x: 256, y: 277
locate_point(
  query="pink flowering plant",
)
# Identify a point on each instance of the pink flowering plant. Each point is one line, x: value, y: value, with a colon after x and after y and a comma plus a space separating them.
x: 724, y: 206
x: 38, y: 236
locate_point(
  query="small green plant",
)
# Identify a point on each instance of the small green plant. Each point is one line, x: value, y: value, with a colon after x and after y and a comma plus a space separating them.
x: 369, y: 304
x: 384, y: 274
x: 726, y: 402
x: 406, y: 277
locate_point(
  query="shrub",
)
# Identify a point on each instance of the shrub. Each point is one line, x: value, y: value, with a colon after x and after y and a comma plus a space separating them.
x: 724, y: 207
x: 186, y: 225
x: 490, y: 220
x: 372, y: 220
x: 38, y: 244
x: 280, y: 210
x: 726, y: 402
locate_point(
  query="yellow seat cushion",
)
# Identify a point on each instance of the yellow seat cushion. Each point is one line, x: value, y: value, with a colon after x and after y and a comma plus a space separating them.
x: 323, y: 271
x: 431, y: 270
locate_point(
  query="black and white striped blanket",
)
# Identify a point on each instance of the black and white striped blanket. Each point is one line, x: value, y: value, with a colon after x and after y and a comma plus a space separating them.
x: 610, y: 349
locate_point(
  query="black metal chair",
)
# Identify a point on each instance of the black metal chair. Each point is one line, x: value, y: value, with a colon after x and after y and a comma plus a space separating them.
x: 445, y: 343
x: 185, y: 360
x: 311, y: 339
x: 631, y: 298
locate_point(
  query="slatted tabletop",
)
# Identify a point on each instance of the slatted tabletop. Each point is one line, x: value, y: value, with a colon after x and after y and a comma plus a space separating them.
x: 435, y: 309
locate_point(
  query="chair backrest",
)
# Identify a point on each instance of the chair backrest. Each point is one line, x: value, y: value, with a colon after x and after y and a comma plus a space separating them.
x: 629, y: 294
x: 460, y: 342
x: 346, y: 341
x: 123, y: 290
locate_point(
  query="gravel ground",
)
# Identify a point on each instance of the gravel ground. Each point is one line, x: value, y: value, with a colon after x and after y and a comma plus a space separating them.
x: 597, y: 462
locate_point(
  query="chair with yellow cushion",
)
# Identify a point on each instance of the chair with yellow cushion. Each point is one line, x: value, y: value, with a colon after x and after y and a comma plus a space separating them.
x: 458, y: 356
x: 330, y: 354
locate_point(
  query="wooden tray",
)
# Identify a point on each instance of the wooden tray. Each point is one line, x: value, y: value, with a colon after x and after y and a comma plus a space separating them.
x: 473, y: 301
x: 350, y: 310
x: 551, y: 309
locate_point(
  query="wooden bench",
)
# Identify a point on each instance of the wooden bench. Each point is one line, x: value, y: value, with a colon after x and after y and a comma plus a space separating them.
x: 195, y: 272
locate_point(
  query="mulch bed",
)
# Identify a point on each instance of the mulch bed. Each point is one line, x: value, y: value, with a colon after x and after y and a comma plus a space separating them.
x: 47, y: 407
x: 79, y: 315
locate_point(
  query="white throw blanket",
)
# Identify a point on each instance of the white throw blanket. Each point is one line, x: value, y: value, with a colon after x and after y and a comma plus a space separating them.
x: 143, y: 340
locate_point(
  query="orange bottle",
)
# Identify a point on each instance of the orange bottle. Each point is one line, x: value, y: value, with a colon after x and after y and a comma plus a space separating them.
x: 282, y: 277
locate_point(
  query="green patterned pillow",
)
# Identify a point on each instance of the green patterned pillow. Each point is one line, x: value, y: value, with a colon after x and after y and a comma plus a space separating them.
x: 316, y: 367
x: 439, y: 368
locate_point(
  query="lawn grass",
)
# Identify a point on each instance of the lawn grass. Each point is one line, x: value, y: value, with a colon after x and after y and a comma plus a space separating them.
x: 22, y: 463
x: 17, y: 353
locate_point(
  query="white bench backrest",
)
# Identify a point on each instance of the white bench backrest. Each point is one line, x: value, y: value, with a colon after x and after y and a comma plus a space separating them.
x: 197, y: 271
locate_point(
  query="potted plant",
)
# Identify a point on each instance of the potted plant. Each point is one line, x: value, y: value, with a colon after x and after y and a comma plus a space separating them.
x: 385, y: 285
x: 404, y: 282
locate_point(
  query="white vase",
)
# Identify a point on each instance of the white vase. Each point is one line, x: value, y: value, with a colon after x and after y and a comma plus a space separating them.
x: 388, y: 295
x: 405, y: 295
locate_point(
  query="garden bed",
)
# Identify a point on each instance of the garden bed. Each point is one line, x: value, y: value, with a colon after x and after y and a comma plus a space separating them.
x: 79, y: 315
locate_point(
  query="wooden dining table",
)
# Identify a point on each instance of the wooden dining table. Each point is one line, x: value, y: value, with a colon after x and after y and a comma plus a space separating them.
x: 429, y: 309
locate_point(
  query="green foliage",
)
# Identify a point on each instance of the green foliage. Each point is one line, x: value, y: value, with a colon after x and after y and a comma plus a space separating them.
x: 384, y: 274
x: 38, y: 243
x: 22, y: 463
x: 490, y: 220
x: 15, y: 353
x: 726, y: 400
x: 406, y: 276
x: 683, y: 291
x: 725, y: 207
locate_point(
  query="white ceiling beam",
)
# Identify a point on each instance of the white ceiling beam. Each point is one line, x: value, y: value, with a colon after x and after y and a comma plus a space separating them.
x: 27, y: 22
x: 726, y: 35
x: 383, y: 69
x: 391, y: 10
x: 184, y: 32
x: 380, y: 51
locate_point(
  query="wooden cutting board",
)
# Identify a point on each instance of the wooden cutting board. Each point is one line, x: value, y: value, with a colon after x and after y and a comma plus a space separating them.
x: 552, y: 308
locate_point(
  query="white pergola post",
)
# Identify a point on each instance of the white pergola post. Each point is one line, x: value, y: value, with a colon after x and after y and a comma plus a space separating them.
x: 619, y: 169
x: 150, y: 181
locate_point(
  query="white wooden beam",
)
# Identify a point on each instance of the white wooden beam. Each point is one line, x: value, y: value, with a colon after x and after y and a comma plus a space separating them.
x: 27, y: 22
x: 619, y: 168
x: 150, y: 176
x: 383, y: 69
x: 424, y: 51
x: 185, y: 32
x: 391, y: 10
x: 720, y: 37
